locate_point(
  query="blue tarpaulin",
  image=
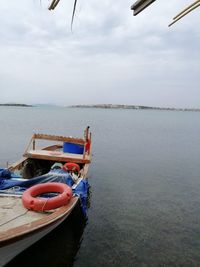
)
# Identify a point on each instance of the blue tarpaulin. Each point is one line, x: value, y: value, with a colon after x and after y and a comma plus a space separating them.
x: 59, y: 176
x: 8, y: 181
x: 82, y: 191
x: 5, y: 173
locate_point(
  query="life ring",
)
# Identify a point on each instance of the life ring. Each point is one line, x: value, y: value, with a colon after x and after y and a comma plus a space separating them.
x: 31, y: 202
x: 70, y: 166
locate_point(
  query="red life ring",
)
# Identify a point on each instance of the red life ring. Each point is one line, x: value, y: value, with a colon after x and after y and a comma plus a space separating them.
x: 31, y: 202
x: 70, y: 166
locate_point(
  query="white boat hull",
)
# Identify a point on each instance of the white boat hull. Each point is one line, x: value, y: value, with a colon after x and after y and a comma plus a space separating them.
x: 16, y: 245
x: 7, y: 253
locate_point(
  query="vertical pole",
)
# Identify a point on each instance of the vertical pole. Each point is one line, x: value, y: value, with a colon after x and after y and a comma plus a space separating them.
x: 33, y: 144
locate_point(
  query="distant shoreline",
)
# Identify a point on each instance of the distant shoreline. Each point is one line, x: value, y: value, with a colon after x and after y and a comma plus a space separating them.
x: 14, y: 105
x: 111, y: 106
x: 104, y: 106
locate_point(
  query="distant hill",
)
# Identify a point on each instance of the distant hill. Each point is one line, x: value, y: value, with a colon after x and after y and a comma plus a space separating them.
x: 111, y: 106
x: 15, y: 105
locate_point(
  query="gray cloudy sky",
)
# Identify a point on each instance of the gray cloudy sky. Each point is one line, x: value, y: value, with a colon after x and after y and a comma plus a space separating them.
x: 110, y: 57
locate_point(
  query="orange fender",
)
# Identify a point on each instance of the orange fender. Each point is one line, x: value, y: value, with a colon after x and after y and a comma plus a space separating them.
x: 70, y: 166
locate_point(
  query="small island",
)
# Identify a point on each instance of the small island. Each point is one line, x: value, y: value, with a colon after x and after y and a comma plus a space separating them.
x: 112, y: 106
x: 15, y: 105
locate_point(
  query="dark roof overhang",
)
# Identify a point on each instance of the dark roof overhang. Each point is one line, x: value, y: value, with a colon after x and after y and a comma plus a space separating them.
x: 140, y: 5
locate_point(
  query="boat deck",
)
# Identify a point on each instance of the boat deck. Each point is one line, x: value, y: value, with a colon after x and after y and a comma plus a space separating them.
x: 14, y: 214
x: 57, y: 156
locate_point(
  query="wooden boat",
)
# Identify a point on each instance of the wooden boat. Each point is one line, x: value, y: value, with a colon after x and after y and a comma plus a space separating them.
x: 22, y: 225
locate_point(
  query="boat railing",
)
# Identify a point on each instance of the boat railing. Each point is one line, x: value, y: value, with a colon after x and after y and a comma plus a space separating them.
x: 47, y: 137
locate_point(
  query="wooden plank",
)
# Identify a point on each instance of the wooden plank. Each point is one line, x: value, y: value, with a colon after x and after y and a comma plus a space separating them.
x: 17, y: 164
x: 16, y: 233
x: 53, y: 147
x: 185, y: 12
x: 79, y: 141
x: 56, y: 156
x: 140, y: 5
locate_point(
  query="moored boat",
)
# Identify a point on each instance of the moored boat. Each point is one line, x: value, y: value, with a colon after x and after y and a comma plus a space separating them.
x: 38, y: 192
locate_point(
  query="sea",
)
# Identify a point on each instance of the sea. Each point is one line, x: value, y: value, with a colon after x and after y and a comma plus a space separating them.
x: 144, y: 201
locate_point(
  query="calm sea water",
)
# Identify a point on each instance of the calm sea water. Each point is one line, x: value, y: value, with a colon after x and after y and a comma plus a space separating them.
x: 145, y: 186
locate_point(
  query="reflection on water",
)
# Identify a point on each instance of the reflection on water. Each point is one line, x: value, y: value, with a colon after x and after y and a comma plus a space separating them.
x: 58, y: 248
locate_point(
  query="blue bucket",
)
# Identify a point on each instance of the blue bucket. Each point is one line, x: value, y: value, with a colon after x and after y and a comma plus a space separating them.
x: 73, y: 148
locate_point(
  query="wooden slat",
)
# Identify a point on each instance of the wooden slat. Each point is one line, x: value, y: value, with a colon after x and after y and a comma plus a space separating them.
x: 56, y: 156
x: 79, y: 141
x: 17, y: 164
x: 17, y: 233
x: 53, y: 147
x: 140, y: 5
x: 185, y: 12
x: 186, y: 9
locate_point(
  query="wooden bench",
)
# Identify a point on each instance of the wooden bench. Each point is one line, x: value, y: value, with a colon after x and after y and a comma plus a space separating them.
x: 57, y: 156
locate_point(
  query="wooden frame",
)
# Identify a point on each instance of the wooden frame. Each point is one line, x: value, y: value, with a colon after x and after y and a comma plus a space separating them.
x: 140, y: 5
x: 185, y: 11
x: 54, y: 152
x: 48, y: 137
x: 53, y: 156
x: 58, y: 138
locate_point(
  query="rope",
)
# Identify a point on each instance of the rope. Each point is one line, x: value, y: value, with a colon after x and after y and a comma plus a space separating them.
x: 45, y: 204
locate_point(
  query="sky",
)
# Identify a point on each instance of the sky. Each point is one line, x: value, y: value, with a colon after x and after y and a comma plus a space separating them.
x: 110, y: 56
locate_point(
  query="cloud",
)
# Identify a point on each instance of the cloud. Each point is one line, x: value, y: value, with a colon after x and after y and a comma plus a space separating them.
x: 110, y: 57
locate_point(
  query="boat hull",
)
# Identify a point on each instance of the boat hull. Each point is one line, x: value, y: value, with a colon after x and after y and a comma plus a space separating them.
x: 15, y: 245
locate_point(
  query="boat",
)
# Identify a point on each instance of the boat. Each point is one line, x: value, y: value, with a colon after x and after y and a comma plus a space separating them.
x: 40, y: 191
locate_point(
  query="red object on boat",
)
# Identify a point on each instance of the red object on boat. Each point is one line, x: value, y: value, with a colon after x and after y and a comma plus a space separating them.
x: 32, y: 202
x: 87, y: 146
x: 70, y: 166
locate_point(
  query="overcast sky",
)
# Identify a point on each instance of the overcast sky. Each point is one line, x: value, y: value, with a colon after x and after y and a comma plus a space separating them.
x: 110, y: 57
